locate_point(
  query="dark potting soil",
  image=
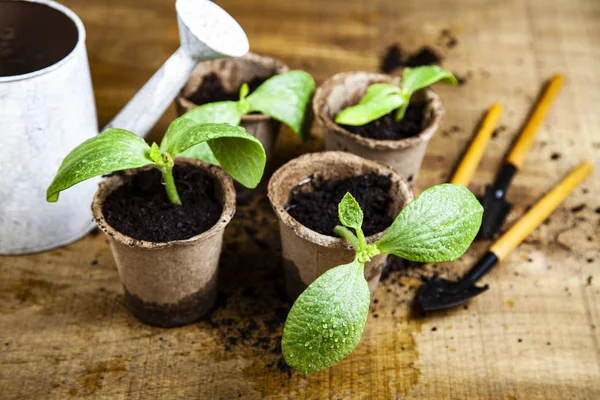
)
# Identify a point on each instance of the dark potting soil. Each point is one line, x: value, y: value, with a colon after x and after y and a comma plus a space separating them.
x: 141, y: 209
x: 317, y: 208
x: 211, y: 89
x: 386, y: 127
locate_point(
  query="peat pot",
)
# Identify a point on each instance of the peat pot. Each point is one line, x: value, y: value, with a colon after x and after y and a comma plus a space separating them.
x: 171, y: 283
x: 233, y: 72
x: 308, y: 254
x: 346, y: 89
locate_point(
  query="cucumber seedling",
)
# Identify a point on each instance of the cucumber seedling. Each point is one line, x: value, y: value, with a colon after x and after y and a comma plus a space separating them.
x: 382, y: 98
x: 238, y: 152
x: 284, y: 97
x: 326, y: 322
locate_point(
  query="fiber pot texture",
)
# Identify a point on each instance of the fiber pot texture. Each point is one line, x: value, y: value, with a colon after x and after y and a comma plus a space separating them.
x: 308, y: 254
x: 171, y: 283
x: 346, y: 89
x: 233, y: 72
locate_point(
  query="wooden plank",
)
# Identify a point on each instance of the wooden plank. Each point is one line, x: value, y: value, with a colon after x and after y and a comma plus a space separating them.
x: 535, y: 335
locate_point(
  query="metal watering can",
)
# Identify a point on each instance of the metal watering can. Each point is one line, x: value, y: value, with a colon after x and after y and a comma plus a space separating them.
x: 47, y: 108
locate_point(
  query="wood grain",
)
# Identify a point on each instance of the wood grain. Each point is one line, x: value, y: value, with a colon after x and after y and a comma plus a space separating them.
x: 534, y: 335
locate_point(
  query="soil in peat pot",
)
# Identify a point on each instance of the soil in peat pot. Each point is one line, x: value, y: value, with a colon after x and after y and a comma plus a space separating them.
x: 141, y: 209
x: 211, y: 90
x: 317, y: 207
x: 386, y: 127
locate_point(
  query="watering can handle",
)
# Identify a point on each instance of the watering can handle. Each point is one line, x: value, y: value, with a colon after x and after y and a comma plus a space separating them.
x: 151, y: 101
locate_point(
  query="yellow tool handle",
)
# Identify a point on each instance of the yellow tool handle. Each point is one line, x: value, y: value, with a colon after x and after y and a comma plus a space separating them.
x: 527, y: 135
x: 465, y: 170
x: 540, y: 211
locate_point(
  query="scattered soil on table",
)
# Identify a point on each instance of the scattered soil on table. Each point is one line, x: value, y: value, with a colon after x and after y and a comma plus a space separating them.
x: 387, y: 128
x: 141, y: 209
x: 447, y: 39
x: 424, y: 56
x: 452, y: 130
x: 394, y: 58
x: 317, y: 208
x: 578, y: 208
x: 498, y: 131
x: 252, y: 305
x: 211, y: 89
x: 463, y: 79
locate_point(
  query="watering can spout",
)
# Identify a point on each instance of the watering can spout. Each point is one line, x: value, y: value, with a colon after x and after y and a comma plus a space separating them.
x: 206, y: 32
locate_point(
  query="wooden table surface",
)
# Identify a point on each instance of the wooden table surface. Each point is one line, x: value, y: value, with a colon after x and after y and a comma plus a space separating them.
x: 535, y: 334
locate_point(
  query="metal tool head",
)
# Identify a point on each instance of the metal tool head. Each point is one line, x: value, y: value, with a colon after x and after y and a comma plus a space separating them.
x: 208, y: 32
x: 439, y: 294
x: 495, y: 210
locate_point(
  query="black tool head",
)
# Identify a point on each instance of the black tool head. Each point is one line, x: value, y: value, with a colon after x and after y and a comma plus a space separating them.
x: 438, y: 294
x: 495, y: 210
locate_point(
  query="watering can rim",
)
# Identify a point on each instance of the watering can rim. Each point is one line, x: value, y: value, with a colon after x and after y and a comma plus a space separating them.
x: 80, y: 39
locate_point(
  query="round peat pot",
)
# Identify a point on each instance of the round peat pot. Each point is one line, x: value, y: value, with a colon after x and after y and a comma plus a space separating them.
x: 346, y: 89
x: 170, y: 283
x: 308, y: 254
x: 233, y: 72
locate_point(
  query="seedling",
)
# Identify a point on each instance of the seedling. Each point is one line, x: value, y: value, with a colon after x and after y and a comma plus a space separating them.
x: 238, y: 152
x: 284, y: 97
x: 383, y: 98
x: 326, y: 322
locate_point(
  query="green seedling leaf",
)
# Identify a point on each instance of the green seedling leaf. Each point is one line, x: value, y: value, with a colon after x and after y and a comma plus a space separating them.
x: 350, y: 213
x: 379, y: 100
x: 160, y: 159
x: 378, y: 90
x: 227, y: 112
x: 286, y: 98
x: 221, y: 112
x: 327, y: 320
x: 382, y: 98
x: 177, y: 128
x: 243, y: 159
x: 238, y: 152
x: 414, y: 79
x: 112, y: 150
x: 244, y: 90
x: 155, y: 154
x: 439, y: 225
x: 201, y: 152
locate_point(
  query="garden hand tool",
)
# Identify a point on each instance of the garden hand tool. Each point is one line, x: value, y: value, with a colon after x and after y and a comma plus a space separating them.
x: 438, y: 293
x: 465, y: 170
x: 494, y: 204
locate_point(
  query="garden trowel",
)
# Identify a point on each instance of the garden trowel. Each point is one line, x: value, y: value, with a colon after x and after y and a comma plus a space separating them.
x: 495, y: 206
x: 438, y: 293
